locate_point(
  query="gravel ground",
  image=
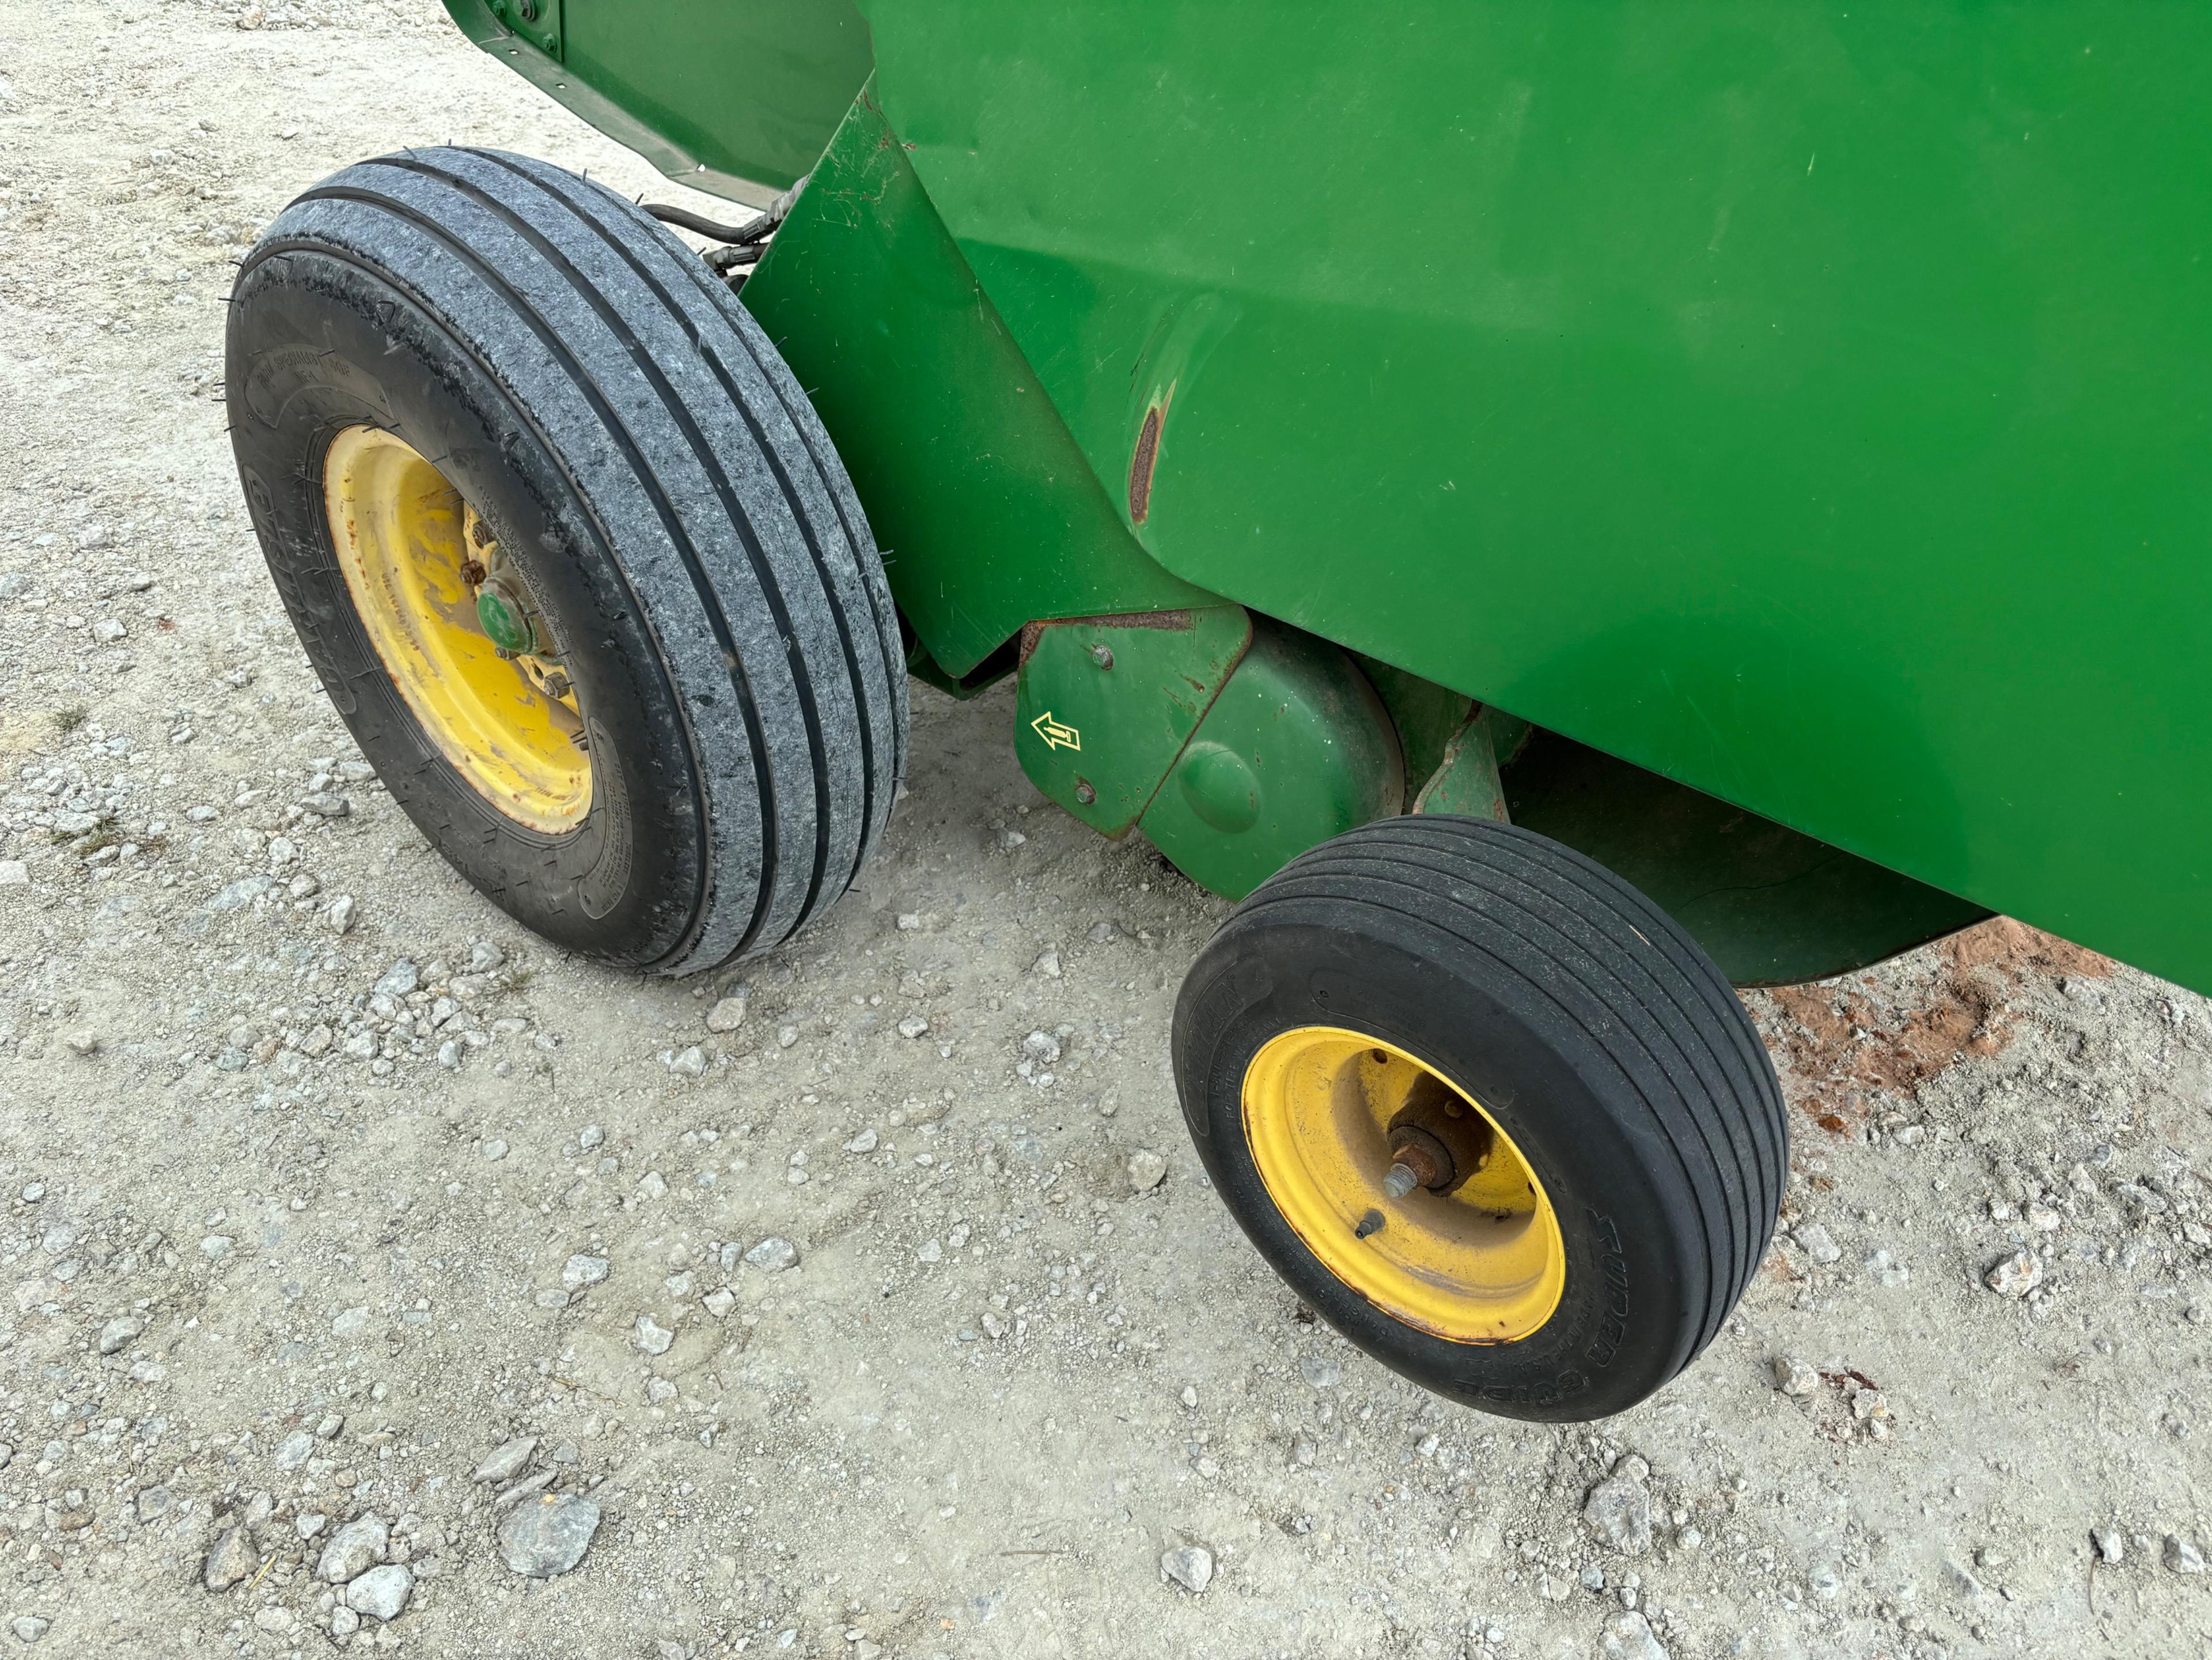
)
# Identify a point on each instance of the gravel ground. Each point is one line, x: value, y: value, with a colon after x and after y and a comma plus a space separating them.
x: 368, y: 1260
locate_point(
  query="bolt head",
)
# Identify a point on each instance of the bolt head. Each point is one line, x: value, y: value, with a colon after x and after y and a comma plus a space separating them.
x: 1103, y: 654
x: 1085, y: 794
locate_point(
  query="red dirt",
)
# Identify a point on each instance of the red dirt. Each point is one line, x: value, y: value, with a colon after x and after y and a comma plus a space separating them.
x: 1963, y: 1012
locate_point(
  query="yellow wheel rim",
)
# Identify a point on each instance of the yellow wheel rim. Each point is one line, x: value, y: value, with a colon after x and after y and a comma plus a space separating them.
x: 1483, y: 1263
x: 415, y: 556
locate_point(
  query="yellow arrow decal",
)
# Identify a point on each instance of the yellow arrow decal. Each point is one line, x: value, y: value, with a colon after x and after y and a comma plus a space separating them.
x: 1055, y: 735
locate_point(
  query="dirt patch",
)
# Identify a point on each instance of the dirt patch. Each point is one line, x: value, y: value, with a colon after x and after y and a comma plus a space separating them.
x: 1847, y: 1046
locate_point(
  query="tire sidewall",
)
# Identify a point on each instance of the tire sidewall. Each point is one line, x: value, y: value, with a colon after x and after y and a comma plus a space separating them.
x: 320, y: 343
x: 1623, y: 1326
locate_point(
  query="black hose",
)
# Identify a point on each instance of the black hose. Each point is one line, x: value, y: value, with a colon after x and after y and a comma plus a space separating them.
x: 744, y: 234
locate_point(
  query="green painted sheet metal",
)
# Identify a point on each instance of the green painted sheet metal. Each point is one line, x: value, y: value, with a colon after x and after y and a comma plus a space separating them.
x: 1810, y: 404
x: 737, y: 99
x: 1770, y: 906
x: 1296, y: 748
x: 1105, y: 704
x: 988, y: 516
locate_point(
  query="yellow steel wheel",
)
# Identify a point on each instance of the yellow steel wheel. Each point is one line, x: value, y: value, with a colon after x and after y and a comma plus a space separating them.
x: 409, y: 546
x: 1481, y: 1263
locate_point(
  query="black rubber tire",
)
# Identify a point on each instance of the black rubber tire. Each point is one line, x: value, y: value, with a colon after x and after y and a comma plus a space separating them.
x: 678, y: 510
x: 1598, y: 1034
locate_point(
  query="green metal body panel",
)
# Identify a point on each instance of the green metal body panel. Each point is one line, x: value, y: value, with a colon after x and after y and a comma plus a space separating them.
x: 988, y: 514
x: 737, y: 99
x: 1296, y: 748
x: 1812, y: 406
x: 1106, y: 704
x: 1771, y: 906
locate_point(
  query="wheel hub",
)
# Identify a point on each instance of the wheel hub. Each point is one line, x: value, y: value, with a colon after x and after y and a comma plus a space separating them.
x: 453, y: 624
x: 1402, y: 1186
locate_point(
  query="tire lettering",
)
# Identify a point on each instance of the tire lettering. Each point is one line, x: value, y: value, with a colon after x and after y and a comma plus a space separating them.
x: 1612, y: 1329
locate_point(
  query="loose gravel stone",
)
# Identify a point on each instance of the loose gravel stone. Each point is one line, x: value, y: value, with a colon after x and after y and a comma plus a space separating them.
x: 505, y: 1461
x: 772, y: 1255
x: 2182, y: 1556
x: 1628, y: 1636
x: 381, y: 1592
x: 295, y: 1449
x: 2014, y: 1275
x: 1190, y: 1567
x: 119, y: 1334
x: 652, y: 1337
x: 548, y: 1534
x: 1146, y: 1169
x: 1794, y: 1376
x: 913, y: 1026
x: 2109, y: 1545
x: 1618, y: 1511
x: 727, y: 1015
x: 29, y: 1627
x: 354, y: 1550
x: 230, y: 1561
x: 582, y: 1270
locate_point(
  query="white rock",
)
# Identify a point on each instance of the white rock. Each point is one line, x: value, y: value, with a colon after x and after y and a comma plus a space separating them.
x: 652, y: 1337
x: 582, y: 1270
x: 1794, y: 1376
x: 1147, y: 1170
x: 913, y: 1026
x: 785, y: 1037
x: 772, y: 1255
x: 1048, y: 964
x: 1628, y: 1636
x: 727, y: 1015
x: 120, y: 1333
x: 402, y: 977
x: 349, y: 1321
x: 1190, y: 1567
x: 2110, y: 1546
x: 863, y: 1142
x: 2014, y: 1275
x: 13, y: 873
x: 295, y: 1449
x: 688, y: 1063
x: 29, y: 1627
x: 719, y: 1303
x: 216, y: 1247
x: 340, y: 915
x: 2182, y: 1556
x: 1042, y: 1046
x: 354, y: 1550
x: 1618, y: 1513
x: 381, y: 1592
x: 230, y: 1561
x: 1818, y: 1244
x: 505, y: 1462
x: 548, y: 1535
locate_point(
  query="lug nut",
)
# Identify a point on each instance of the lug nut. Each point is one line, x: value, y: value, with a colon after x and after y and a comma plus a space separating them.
x: 1102, y: 655
x: 1400, y: 1181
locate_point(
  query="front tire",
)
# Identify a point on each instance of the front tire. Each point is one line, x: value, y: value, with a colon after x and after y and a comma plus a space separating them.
x: 534, y: 487
x: 1621, y: 1144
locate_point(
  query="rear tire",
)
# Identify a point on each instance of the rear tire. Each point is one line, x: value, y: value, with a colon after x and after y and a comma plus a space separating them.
x: 1607, y: 1053
x: 674, y: 512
